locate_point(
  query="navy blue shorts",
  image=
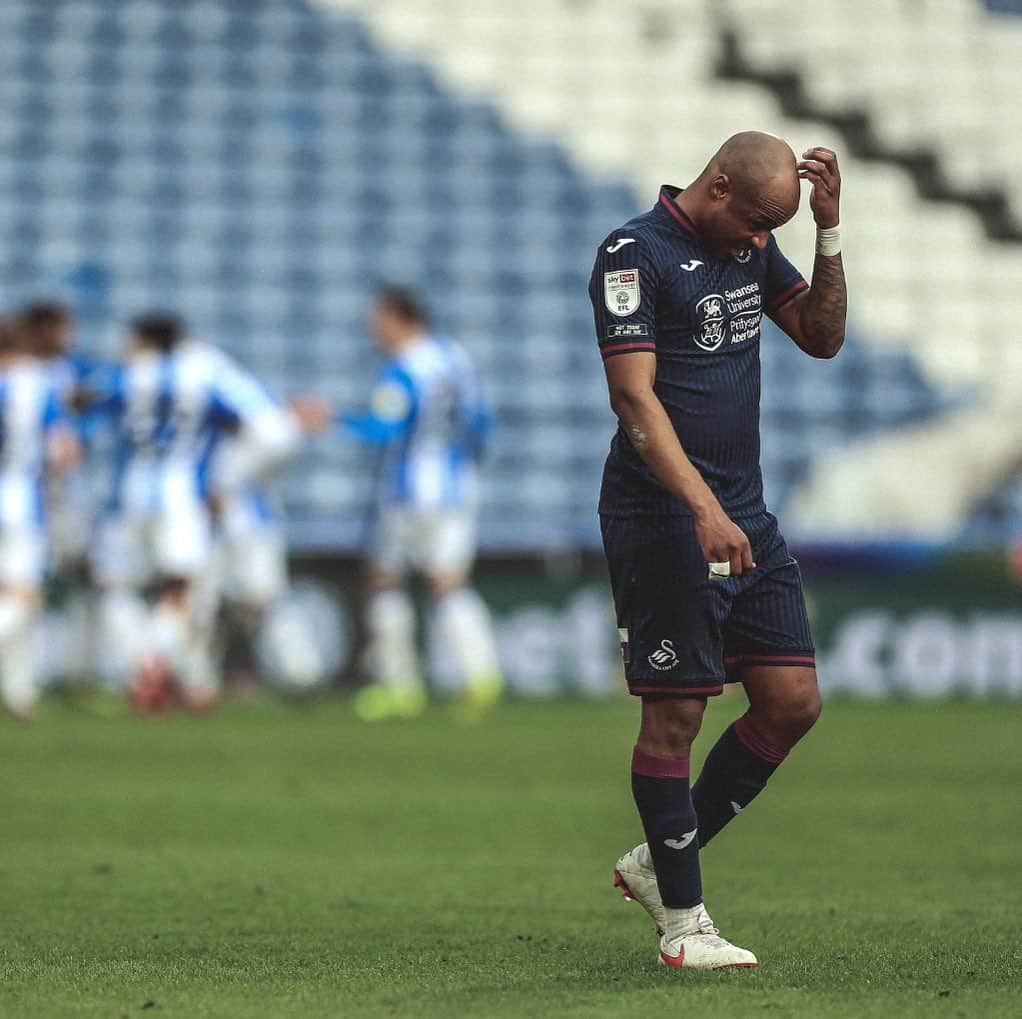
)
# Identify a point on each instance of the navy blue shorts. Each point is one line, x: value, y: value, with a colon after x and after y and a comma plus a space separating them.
x: 684, y: 633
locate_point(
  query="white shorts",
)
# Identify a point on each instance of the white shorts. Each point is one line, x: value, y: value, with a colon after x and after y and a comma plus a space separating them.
x: 254, y: 565
x: 22, y: 556
x: 135, y: 549
x: 434, y: 542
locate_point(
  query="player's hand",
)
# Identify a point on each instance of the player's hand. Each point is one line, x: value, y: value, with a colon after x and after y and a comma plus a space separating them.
x: 64, y: 451
x: 819, y: 167
x: 723, y: 541
x: 311, y: 412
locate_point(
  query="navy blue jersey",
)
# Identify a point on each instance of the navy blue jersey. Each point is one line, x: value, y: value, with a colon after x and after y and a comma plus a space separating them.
x: 656, y: 286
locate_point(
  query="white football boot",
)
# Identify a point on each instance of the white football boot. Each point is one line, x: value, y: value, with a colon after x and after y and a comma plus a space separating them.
x: 694, y: 943
x: 635, y: 876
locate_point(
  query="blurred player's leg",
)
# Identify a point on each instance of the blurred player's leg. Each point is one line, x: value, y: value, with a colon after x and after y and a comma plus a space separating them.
x: 22, y: 561
x: 397, y: 688
x: 253, y: 552
x: 121, y: 565
x: 21, y: 670
x: 464, y: 625
x: 182, y: 550
x: 463, y: 622
x: 123, y: 623
x: 18, y: 679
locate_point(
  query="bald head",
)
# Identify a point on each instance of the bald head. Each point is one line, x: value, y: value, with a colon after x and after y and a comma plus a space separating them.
x: 757, y: 163
x: 749, y: 188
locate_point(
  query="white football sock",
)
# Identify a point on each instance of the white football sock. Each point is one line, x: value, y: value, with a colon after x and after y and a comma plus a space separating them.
x: 464, y: 624
x: 19, y: 668
x: 393, y: 658
x: 169, y: 634
x: 15, y: 613
x: 123, y: 623
x: 198, y: 668
x: 693, y: 920
x: 292, y: 645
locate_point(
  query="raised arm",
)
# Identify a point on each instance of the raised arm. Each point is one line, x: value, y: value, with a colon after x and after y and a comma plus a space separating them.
x: 815, y: 320
x: 630, y: 379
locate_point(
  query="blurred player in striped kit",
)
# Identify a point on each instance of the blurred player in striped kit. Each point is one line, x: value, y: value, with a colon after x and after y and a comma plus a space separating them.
x: 172, y: 399
x: 428, y: 415
x: 48, y: 329
x: 248, y: 575
x: 34, y: 436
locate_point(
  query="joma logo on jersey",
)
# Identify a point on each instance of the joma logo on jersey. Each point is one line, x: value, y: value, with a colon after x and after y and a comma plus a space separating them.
x: 710, y: 312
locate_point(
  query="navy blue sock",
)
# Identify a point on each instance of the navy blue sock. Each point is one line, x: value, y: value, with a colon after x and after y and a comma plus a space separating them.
x: 734, y: 774
x: 662, y: 794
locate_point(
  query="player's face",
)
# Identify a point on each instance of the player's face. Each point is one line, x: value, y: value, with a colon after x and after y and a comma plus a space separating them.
x: 383, y: 326
x: 54, y: 339
x: 742, y: 222
x: 377, y: 326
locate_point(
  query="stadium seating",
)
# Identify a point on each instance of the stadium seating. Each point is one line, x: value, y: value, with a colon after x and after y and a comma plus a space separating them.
x: 940, y: 72
x: 261, y: 166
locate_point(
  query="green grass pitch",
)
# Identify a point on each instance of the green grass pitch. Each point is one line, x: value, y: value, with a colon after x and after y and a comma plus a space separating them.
x: 283, y: 861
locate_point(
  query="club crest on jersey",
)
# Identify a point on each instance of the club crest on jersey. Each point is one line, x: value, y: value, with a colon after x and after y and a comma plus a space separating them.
x: 621, y: 291
x: 710, y: 312
x: 744, y: 255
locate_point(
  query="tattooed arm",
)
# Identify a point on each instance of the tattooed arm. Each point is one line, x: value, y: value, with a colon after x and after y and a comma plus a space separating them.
x: 630, y: 379
x: 816, y: 319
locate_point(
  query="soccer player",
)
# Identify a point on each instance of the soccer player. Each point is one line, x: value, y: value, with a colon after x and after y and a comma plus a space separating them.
x: 171, y: 400
x: 48, y: 329
x: 34, y: 436
x: 249, y: 570
x: 704, y: 587
x: 428, y: 414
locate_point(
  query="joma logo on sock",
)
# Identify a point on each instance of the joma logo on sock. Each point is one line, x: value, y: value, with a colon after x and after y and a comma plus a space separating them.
x: 684, y: 841
x: 664, y: 657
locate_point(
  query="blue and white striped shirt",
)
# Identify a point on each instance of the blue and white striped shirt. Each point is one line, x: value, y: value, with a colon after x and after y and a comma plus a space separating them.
x: 30, y: 408
x: 428, y: 412
x: 170, y: 409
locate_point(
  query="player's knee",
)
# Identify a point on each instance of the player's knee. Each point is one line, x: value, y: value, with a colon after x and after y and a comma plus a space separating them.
x: 670, y: 725
x: 794, y: 710
x: 444, y: 584
x: 806, y: 705
x: 813, y: 707
x: 801, y: 716
x: 381, y: 581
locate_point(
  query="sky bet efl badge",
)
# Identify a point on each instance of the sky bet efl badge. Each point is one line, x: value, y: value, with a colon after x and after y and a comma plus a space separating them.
x: 621, y: 291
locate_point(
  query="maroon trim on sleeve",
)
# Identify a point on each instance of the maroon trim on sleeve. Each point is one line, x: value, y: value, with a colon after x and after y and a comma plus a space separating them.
x: 632, y: 347
x: 788, y: 295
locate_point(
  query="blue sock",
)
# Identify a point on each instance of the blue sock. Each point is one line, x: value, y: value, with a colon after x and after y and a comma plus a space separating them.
x: 661, y: 790
x: 734, y: 774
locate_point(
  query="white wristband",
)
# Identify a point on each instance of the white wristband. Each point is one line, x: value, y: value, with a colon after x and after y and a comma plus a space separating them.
x: 828, y: 241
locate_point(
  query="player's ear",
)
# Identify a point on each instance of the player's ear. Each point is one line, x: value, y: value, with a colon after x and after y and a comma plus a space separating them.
x: 720, y: 187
